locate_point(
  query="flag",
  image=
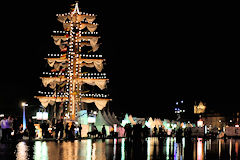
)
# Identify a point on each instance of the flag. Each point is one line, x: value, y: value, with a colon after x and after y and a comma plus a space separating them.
x: 61, y: 77
x: 85, y: 91
x: 90, y: 51
x: 62, y: 70
x: 64, y: 49
x: 53, y: 70
x: 74, y: 93
x: 63, y: 56
x: 62, y: 85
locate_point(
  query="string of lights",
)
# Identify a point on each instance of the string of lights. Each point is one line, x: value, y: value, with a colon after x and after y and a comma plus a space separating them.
x: 65, y: 94
x: 81, y: 13
x: 67, y: 71
x: 67, y: 32
x: 102, y: 75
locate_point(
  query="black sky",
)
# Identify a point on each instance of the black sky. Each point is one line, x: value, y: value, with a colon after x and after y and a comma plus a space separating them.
x: 156, y: 53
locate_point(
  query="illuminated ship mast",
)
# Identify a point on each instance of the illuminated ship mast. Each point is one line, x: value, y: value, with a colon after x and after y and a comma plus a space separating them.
x: 67, y: 78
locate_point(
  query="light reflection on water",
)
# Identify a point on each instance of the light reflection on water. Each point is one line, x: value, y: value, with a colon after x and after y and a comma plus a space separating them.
x: 122, y: 149
x: 40, y: 151
x: 22, y: 149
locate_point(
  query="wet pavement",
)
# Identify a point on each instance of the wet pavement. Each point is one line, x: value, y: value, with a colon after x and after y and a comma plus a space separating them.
x: 121, y: 149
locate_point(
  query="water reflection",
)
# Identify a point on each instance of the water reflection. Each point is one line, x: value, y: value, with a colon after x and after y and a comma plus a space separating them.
x: 40, y: 151
x: 200, y: 149
x: 236, y: 148
x: 122, y: 149
x: 22, y: 149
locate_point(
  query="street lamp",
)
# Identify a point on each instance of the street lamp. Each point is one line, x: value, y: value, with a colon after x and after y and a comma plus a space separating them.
x: 24, y: 118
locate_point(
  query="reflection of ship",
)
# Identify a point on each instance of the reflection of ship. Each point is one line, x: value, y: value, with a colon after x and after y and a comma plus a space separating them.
x: 72, y: 68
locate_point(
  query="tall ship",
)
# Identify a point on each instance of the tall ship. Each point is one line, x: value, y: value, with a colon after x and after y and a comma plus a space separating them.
x: 75, y: 80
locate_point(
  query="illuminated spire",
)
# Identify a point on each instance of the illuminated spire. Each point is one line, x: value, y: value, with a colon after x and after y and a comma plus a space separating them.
x: 76, y: 9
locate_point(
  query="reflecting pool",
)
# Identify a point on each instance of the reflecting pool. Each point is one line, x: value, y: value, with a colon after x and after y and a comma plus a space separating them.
x: 122, y: 149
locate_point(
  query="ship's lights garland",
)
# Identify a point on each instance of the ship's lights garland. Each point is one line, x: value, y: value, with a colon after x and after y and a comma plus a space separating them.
x: 69, y: 88
x: 82, y: 13
x: 72, y: 59
x: 66, y: 32
x: 81, y: 21
x: 81, y: 74
x: 60, y: 94
x: 103, y: 77
x: 81, y: 55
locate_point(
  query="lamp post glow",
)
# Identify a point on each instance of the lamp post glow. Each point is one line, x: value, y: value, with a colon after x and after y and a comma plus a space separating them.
x: 24, y: 118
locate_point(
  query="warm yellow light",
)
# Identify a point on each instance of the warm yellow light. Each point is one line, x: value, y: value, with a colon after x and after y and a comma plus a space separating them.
x: 23, y: 104
x: 199, y: 108
x: 200, y: 123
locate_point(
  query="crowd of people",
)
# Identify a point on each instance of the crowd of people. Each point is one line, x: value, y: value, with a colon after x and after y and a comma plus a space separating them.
x: 137, y: 132
x: 100, y: 134
x: 6, y: 125
x: 70, y: 130
x: 12, y: 129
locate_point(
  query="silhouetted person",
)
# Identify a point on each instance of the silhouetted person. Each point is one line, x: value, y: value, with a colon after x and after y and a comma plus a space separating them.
x: 94, y: 128
x: 16, y: 125
x: 58, y: 127
x: 104, y: 131
x: 189, y: 132
x: 31, y: 129
x: 160, y: 131
x: 145, y: 132
x: 4, y: 126
x: 9, y: 127
x: 128, y: 131
x: 72, y: 131
x: 155, y: 130
x: 179, y: 135
x: 80, y: 131
x: 94, y: 131
x: 61, y: 128
x: 16, y: 128
x: 112, y: 132
x: 67, y: 131
x: 44, y: 126
x: 137, y: 129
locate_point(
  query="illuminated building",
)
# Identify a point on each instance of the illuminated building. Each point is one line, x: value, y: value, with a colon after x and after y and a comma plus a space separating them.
x: 216, y: 120
x: 200, y: 108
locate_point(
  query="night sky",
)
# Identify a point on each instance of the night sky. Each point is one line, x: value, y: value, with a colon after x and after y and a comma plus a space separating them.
x: 156, y: 54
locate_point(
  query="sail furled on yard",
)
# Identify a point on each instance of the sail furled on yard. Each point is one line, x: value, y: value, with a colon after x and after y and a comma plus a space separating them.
x: 71, y: 67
